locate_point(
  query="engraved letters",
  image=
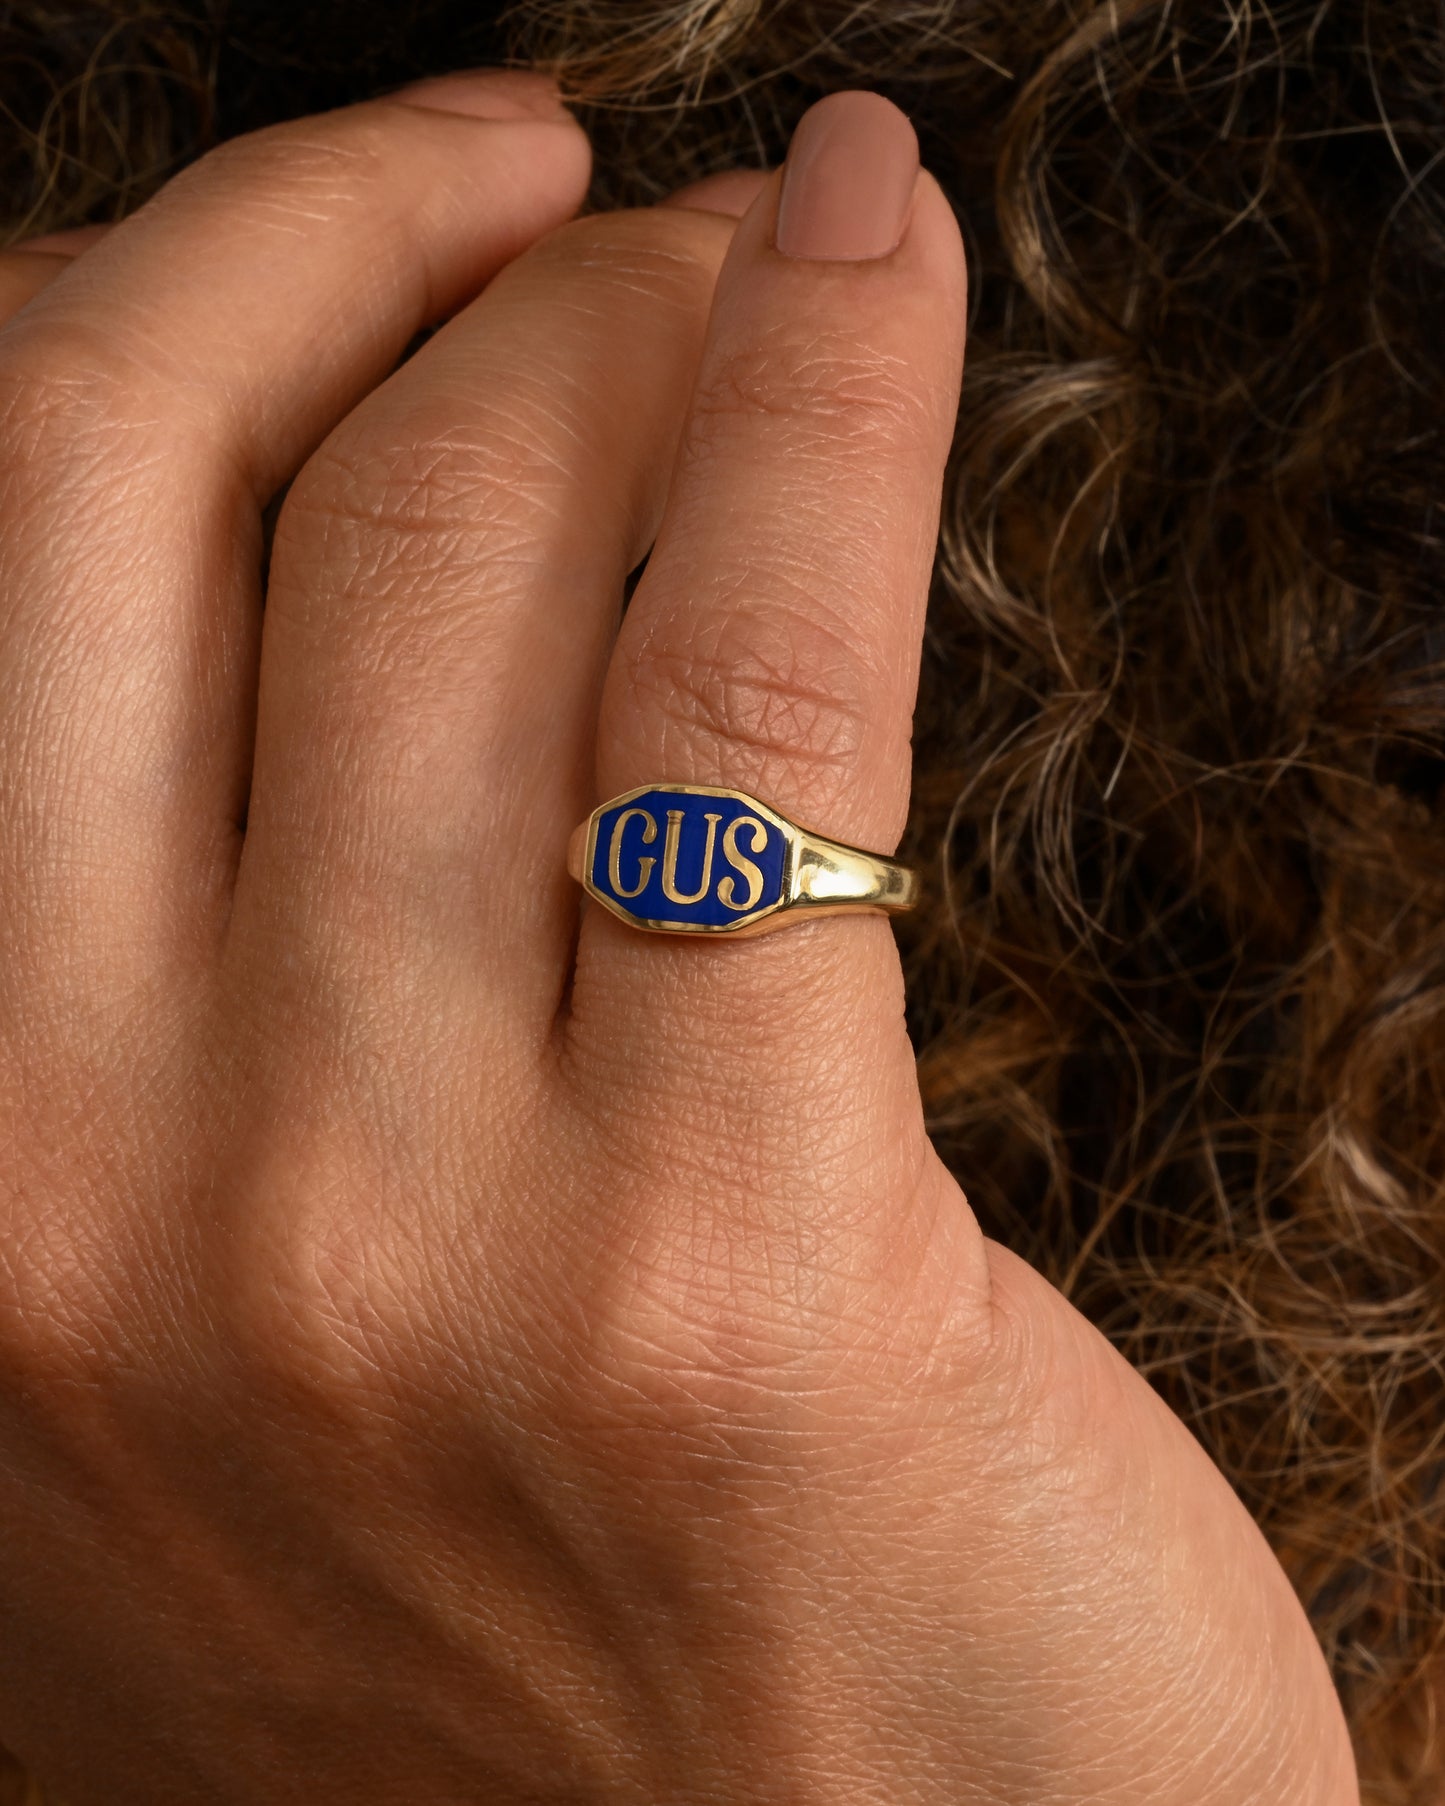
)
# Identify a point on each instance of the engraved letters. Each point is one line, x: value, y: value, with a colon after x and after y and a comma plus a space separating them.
x: 688, y: 861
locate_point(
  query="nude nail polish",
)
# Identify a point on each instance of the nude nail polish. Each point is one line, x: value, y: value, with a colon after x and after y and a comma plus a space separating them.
x: 848, y: 180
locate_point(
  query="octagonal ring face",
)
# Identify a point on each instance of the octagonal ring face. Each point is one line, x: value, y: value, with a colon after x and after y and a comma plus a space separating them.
x: 686, y: 859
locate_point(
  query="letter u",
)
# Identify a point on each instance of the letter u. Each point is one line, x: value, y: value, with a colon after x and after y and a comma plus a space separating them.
x: 669, y: 859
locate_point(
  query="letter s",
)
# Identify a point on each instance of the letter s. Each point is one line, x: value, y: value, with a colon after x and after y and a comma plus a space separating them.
x: 727, y: 889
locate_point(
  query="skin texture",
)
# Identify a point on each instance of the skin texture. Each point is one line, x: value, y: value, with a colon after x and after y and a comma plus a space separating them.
x: 451, y: 1349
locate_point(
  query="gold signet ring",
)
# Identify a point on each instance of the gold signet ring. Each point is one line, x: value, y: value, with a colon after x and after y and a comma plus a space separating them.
x: 685, y: 859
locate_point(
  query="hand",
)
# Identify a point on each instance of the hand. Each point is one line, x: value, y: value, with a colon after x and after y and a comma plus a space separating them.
x: 452, y: 1353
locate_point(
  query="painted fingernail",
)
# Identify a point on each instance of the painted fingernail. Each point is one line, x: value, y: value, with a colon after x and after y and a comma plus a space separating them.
x: 487, y: 94
x: 848, y: 181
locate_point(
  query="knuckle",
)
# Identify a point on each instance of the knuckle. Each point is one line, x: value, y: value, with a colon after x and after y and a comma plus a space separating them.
x: 405, y: 514
x: 297, y: 166
x: 89, y: 1278
x: 832, y: 391
x: 778, y: 686
x: 1061, y: 1408
x: 353, y: 491
x: 58, y: 1325
x: 657, y: 255
x: 319, y: 1298
x: 420, y: 474
x: 298, y: 1330
x: 702, y: 1357
x: 732, y: 1346
x: 81, y: 440
x: 66, y: 390
x: 90, y: 429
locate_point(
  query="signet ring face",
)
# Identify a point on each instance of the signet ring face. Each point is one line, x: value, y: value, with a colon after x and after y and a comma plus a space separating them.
x: 689, y: 859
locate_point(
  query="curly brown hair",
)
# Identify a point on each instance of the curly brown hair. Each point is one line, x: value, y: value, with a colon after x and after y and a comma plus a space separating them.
x: 1179, y: 1001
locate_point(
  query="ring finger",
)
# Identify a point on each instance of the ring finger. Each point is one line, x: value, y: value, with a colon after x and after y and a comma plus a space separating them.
x: 773, y: 643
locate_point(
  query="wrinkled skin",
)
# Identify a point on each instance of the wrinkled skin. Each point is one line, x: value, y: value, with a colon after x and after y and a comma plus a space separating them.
x: 456, y: 1348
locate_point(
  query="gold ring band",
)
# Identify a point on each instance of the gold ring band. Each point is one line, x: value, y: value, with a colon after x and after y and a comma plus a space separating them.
x: 689, y: 859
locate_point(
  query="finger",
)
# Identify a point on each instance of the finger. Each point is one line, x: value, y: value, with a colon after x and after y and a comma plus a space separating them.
x: 23, y: 274
x: 271, y: 283
x: 158, y: 391
x: 731, y: 191
x: 69, y: 243
x: 773, y: 642
x: 446, y: 583
x: 33, y: 264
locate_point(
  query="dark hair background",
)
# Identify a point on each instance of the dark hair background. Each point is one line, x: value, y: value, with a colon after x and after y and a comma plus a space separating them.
x: 1179, y: 999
